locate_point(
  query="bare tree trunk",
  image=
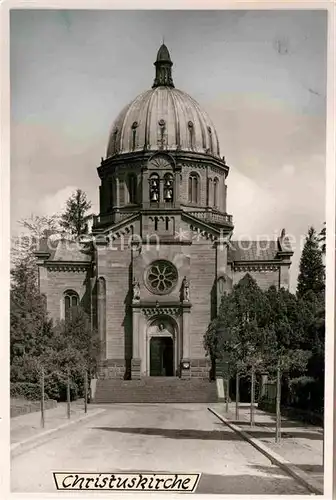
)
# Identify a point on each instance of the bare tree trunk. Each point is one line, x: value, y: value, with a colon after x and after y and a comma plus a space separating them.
x: 227, y: 384
x: 252, y: 396
x: 85, y: 390
x: 278, y: 403
x: 68, y: 396
x: 237, y: 395
x: 42, y: 398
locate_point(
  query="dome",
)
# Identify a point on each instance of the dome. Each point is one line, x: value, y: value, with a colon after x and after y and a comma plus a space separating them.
x: 163, y: 118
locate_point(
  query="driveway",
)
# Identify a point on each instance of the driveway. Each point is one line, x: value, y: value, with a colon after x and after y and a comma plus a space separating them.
x: 154, y: 438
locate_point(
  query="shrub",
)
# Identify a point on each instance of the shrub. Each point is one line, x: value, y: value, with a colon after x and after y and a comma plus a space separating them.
x: 56, y: 386
x: 26, y: 390
x: 306, y: 393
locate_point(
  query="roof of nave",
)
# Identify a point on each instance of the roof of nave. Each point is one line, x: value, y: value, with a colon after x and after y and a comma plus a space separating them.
x: 252, y: 250
x: 67, y: 250
x: 64, y: 250
x: 259, y: 250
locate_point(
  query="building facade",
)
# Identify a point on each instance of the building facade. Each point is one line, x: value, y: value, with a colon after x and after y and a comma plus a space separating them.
x: 161, y: 253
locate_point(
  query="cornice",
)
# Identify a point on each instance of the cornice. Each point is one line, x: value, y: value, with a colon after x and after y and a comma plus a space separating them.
x: 150, y: 309
x: 259, y: 266
x: 64, y: 266
x: 139, y: 159
x: 169, y: 311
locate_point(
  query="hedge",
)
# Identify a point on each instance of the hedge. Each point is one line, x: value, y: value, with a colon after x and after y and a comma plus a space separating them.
x: 26, y: 390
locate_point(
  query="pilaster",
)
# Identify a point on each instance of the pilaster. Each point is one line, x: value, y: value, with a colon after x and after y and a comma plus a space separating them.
x: 101, y: 309
x: 221, y: 271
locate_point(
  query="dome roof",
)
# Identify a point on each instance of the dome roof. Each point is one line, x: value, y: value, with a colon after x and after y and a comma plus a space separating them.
x: 163, y: 118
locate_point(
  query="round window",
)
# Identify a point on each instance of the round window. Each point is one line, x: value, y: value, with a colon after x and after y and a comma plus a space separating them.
x: 161, y: 277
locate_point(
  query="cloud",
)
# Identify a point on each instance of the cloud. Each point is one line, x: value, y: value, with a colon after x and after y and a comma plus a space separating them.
x: 277, y: 167
x: 55, y: 203
x: 288, y: 170
x: 47, y: 165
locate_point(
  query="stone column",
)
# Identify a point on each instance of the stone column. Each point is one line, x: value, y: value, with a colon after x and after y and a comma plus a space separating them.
x: 145, y: 188
x: 101, y: 199
x: 177, y: 188
x: 117, y: 194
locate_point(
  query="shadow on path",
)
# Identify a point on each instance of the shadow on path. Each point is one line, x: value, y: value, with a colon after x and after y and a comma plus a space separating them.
x: 270, y: 480
x: 269, y: 431
x: 284, y: 425
x: 176, y: 433
x: 249, y: 485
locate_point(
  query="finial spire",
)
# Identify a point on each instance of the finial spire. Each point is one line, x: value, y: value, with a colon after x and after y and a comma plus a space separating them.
x: 163, y: 68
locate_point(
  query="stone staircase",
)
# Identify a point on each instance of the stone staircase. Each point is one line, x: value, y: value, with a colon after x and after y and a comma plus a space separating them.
x: 155, y: 390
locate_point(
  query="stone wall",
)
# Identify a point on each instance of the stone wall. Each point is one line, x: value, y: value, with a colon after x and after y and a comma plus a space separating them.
x: 112, y: 368
x: 54, y: 283
x: 22, y: 407
x: 202, y: 279
x: 114, y: 267
x: 200, y: 368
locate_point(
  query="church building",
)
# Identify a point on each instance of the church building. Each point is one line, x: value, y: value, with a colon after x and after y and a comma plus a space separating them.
x: 161, y: 253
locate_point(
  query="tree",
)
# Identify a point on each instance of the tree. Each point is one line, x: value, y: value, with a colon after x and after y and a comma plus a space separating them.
x: 34, y: 228
x: 238, y: 334
x: 287, y: 324
x: 75, y: 217
x: 322, y: 238
x: 248, y: 308
x: 30, y: 329
x: 72, y: 349
x: 314, y: 340
x: 310, y: 291
x: 311, y: 272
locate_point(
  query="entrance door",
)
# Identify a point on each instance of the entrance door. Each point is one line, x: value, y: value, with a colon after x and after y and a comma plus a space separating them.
x: 161, y: 357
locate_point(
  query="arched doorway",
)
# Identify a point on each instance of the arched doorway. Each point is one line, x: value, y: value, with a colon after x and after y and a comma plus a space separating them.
x: 161, y: 348
x: 161, y: 357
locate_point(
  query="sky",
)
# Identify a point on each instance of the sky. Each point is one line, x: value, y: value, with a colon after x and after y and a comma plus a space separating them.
x: 260, y: 75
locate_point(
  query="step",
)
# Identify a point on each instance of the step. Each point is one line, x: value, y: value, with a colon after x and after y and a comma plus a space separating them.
x: 155, y: 390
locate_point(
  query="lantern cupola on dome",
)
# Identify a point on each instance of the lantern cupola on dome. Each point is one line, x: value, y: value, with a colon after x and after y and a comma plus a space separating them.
x: 163, y: 66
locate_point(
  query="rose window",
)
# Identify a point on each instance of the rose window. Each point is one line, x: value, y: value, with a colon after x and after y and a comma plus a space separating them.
x: 161, y: 277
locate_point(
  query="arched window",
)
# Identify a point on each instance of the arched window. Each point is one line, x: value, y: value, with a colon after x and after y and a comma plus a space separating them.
x: 193, y: 188
x: 132, y: 188
x: 209, y: 192
x: 168, y: 191
x: 215, y: 198
x: 71, y: 301
x: 154, y: 188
